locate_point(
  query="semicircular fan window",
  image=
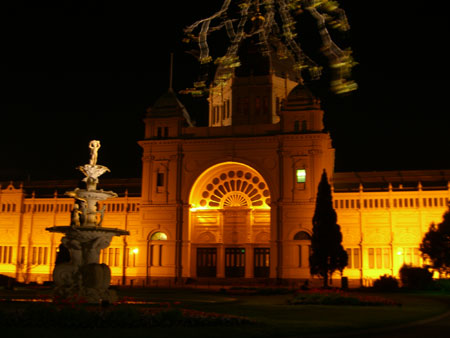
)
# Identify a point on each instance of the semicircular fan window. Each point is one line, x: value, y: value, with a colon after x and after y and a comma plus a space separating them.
x: 234, y: 199
x: 236, y: 188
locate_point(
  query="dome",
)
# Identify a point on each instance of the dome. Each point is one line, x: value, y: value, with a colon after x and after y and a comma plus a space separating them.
x: 301, y: 97
x: 168, y: 105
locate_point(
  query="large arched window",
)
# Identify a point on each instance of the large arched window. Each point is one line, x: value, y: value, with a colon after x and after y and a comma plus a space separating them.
x: 303, y: 242
x: 229, y: 185
x: 158, y: 236
x: 302, y: 236
x: 156, y: 248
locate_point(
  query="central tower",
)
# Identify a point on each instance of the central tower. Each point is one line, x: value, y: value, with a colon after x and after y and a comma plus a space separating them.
x: 254, y: 92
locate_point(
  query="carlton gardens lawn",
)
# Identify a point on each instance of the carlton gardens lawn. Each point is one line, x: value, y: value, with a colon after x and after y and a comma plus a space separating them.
x: 233, y: 312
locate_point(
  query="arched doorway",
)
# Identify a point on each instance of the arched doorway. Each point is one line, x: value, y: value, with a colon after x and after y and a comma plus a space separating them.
x: 230, y: 222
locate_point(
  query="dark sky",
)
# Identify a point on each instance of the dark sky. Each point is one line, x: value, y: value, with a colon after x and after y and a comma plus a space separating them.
x: 72, y: 71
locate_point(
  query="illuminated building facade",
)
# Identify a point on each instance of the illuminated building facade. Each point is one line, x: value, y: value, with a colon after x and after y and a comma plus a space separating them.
x: 382, y: 225
x: 234, y: 199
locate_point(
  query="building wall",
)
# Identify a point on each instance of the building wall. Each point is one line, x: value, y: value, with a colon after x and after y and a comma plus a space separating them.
x: 381, y: 229
x: 28, y: 251
x: 386, y: 227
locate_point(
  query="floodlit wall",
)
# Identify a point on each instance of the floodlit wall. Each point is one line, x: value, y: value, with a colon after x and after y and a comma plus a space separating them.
x: 381, y: 230
x: 28, y: 251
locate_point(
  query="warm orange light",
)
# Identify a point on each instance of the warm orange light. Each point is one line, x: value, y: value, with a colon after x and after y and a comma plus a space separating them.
x: 135, y: 250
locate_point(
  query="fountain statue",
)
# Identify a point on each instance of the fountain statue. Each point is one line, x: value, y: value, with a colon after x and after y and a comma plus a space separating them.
x: 83, y: 276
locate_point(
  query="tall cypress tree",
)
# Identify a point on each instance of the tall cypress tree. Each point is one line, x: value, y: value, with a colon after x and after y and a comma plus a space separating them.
x: 327, y: 253
x: 436, y: 245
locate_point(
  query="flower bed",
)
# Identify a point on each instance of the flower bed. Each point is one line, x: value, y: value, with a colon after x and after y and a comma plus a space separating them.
x: 88, y: 316
x: 242, y: 290
x: 338, y: 297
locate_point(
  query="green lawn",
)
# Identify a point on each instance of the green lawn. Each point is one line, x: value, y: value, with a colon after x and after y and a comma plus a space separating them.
x: 272, y: 315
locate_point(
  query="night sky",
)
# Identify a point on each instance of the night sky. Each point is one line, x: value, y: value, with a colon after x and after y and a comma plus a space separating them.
x: 72, y: 71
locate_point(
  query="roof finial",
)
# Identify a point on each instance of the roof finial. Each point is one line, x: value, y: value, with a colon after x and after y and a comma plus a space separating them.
x: 171, y: 72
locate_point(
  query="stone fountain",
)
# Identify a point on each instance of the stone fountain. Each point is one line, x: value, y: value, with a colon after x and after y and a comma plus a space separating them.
x: 83, y: 276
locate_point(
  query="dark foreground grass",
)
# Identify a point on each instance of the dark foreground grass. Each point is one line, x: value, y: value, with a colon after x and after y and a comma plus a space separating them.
x: 272, y: 314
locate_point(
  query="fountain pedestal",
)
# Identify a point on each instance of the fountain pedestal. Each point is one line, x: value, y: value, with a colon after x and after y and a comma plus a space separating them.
x: 83, y: 276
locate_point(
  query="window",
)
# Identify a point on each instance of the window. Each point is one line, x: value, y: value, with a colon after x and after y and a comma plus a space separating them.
x: 265, y: 104
x: 155, y: 249
x: 130, y: 257
x: 387, y: 258
x: 302, y: 236
x: 379, y: 258
x: 6, y: 254
x: 303, y: 248
x: 371, y: 258
x: 158, y: 236
x: 409, y: 256
x: 160, y: 179
x: 22, y: 255
x: 304, y: 252
x: 300, y: 175
x: 243, y: 105
x: 257, y: 105
x: 353, y: 258
x: 110, y: 256
x: 300, y: 256
x: 33, y: 256
x: 39, y: 255
x: 304, y: 125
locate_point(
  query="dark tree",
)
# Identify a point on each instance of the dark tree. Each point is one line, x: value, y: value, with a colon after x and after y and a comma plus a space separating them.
x: 327, y: 253
x: 435, y: 245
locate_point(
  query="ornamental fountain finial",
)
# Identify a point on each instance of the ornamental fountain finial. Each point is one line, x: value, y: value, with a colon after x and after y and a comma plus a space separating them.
x: 94, y: 145
x: 93, y: 171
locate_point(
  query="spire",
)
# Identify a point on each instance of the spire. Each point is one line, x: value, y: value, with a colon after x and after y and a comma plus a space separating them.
x: 168, y: 105
x: 171, y: 72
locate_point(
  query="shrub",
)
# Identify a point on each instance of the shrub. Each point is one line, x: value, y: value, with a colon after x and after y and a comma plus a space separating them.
x: 416, y: 278
x: 386, y: 284
x: 443, y: 285
x: 7, y: 282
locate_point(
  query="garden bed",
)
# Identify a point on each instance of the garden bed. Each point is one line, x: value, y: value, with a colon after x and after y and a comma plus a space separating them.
x: 78, y: 315
x: 339, y: 297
